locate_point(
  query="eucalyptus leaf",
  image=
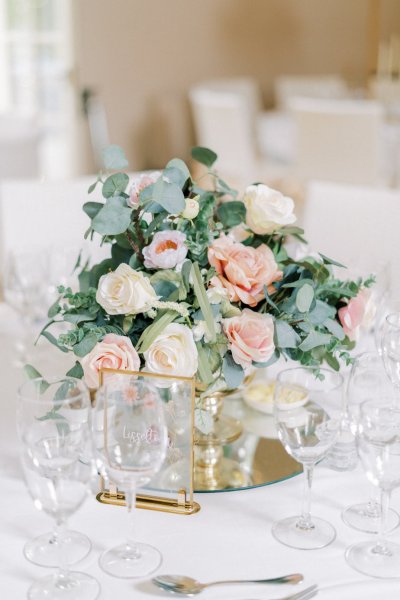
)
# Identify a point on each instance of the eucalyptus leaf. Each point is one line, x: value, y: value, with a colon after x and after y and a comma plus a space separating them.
x: 321, y: 312
x: 114, y: 158
x: 315, y: 339
x: 335, y: 328
x: 205, y: 156
x: 85, y: 345
x: 231, y: 213
x: 33, y: 373
x: 177, y: 163
x: 174, y: 175
x: 203, y: 421
x: 304, y: 297
x: 53, y: 340
x: 169, y: 196
x: 113, y: 218
x: 115, y: 185
x: 286, y: 336
x: 233, y: 373
x: 330, y: 261
x: 76, y: 371
x: 92, y: 208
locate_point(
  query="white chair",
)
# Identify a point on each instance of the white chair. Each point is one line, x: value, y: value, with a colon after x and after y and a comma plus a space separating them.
x: 338, y: 140
x: 354, y: 224
x: 19, y: 146
x: 226, y: 119
x: 47, y: 216
x: 287, y: 87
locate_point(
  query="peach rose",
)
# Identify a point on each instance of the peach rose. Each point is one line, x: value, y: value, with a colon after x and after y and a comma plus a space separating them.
x: 113, y: 352
x: 251, y: 337
x: 243, y: 270
x: 359, y: 312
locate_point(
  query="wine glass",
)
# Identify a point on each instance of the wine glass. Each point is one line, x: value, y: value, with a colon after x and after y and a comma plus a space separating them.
x: 53, y: 422
x: 379, y: 449
x: 367, y: 380
x: 307, y: 411
x: 390, y: 348
x: 130, y: 444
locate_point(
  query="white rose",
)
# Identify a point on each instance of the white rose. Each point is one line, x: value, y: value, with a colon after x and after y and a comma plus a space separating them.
x: 173, y: 352
x: 191, y: 209
x: 125, y: 292
x: 267, y: 209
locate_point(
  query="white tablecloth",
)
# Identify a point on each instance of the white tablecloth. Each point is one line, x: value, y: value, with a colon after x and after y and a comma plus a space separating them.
x: 229, y: 538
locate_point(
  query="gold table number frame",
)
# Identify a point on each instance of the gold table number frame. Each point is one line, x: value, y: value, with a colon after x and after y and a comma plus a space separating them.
x: 182, y: 503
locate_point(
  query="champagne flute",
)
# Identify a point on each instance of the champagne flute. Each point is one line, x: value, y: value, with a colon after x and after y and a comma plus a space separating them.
x: 53, y: 425
x: 307, y: 410
x: 367, y: 380
x: 379, y: 449
x: 130, y: 444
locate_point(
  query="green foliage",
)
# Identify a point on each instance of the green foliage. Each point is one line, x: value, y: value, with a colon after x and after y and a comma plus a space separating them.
x: 114, y: 158
x: 233, y: 373
x: 113, y: 218
x: 115, y: 185
x: 205, y: 156
x: 231, y: 213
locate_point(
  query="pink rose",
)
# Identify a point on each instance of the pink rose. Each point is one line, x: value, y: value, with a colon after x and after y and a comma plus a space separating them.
x: 251, y: 337
x: 140, y: 183
x: 166, y: 251
x: 243, y: 270
x: 359, y: 312
x: 113, y: 352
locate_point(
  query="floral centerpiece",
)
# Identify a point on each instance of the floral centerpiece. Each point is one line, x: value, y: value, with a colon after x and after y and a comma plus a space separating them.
x: 201, y: 282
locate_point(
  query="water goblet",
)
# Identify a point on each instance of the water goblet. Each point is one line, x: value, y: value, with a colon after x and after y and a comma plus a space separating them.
x: 378, y: 443
x: 307, y: 411
x: 53, y: 419
x: 130, y: 444
x: 367, y: 380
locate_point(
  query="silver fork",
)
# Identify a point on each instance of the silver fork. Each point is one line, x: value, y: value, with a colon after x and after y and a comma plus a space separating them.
x: 309, y: 592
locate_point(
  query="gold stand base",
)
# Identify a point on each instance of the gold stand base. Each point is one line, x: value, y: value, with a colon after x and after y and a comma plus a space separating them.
x: 172, y: 505
x: 227, y: 474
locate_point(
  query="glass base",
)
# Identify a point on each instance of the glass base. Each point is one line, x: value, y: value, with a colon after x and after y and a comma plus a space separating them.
x: 44, y: 550
x: 366, y: 558
x: 366, y: 517
x: 289, y: 532
x: 130, y: 561
x: 73, y: 586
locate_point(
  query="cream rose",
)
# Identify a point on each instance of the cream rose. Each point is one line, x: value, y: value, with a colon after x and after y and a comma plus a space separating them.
x: 125, y: 292
x: 173, y: 352
x: 250, y: 336
x: 266, y: 209
x: 191, y: 209
x: 113, y: 352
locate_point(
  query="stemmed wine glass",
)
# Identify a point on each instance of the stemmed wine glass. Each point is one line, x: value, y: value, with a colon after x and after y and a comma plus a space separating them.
x: 390, y: 349
x: 379, y: 449
x: 367, y: 380
x: 53, y: 422
x: 130, y: 444
x: 307, y: 410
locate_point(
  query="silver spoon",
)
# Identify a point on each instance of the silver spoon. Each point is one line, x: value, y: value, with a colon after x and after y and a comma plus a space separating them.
x: 179, y: 584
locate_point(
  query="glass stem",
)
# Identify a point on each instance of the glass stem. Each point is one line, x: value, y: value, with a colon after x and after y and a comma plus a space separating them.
x: 63, y: 569
x: 130, y: 498
x: 305, y: 519
x: 381, y: 546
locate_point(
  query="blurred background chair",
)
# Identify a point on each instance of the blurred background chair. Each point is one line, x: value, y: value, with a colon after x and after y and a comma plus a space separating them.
x: 288, y: 87
x: 355, y: 225
x: 227, y: 116
x: 19, y: 146
x: 338, y: 140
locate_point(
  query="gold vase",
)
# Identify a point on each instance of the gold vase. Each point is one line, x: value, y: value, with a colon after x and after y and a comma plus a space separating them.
x: 212, y: 470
